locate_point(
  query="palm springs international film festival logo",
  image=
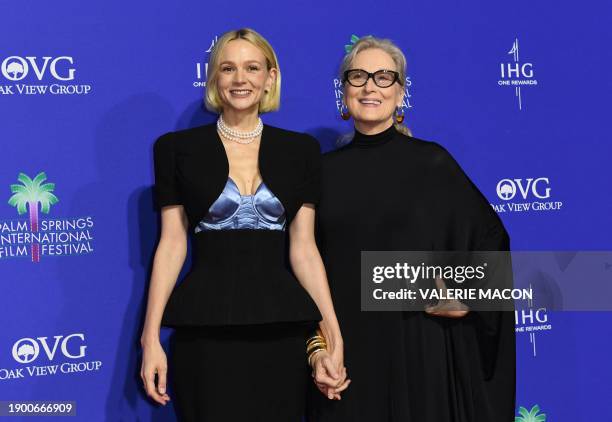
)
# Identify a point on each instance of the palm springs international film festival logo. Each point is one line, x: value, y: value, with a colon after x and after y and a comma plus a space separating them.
x: 44, y: 356
x: 46, y: 75
x: 202, y: 67
x: 516, y: 74
x: 36, y: 237
x: 339, y: 94
x: 532, y: 194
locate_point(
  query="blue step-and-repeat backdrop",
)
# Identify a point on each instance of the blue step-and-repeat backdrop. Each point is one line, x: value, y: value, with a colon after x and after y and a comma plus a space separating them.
x: 518, y: 91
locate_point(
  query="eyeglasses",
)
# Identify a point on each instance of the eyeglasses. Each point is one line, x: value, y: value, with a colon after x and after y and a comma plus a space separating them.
x: 382, y: 78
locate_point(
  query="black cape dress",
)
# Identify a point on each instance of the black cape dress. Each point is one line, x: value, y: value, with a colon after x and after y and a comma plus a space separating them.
x: 393, y: 192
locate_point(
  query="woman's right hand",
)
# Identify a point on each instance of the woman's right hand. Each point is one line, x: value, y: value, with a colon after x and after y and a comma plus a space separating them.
x: 154, y: 362
x: 330, y: 380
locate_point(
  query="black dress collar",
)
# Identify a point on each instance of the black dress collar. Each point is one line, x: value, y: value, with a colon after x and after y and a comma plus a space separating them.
x: 377, y: 139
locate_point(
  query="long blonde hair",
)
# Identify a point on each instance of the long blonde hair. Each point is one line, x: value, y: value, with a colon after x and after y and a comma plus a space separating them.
x: 270, y: 100
x: 389, y: 47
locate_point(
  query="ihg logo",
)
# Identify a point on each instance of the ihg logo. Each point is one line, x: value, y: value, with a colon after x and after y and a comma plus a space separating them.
x: 516, y: 70
x: 16, y: 68
x: 27, y: 350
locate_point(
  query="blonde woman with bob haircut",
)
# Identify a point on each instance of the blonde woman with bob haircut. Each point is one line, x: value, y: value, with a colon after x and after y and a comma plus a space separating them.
x: 246, y: 194
x: 388, y: 191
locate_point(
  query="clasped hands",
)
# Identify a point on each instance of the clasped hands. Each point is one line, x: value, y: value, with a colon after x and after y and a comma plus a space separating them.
x: 329, y: 372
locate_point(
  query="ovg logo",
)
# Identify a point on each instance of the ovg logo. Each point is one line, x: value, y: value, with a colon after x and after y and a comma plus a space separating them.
x: 15, y: 68
x: 27, y: 350
x: 539, y: 188
x: 49, y: 75
x: 533, y: 194
x: 68, y: 348
x: 516, y: 73
x: 34, y: 236
x: 532, y: 415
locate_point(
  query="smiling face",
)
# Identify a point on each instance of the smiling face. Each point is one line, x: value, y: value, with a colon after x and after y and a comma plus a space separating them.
x: 243, y: 76
x: 372, y: 107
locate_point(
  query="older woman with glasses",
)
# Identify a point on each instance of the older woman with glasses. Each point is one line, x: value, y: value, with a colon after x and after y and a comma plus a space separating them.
x: 389, y: 191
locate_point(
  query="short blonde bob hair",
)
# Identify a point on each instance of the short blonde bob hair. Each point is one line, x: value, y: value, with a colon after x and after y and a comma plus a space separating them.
x: 270, y: 101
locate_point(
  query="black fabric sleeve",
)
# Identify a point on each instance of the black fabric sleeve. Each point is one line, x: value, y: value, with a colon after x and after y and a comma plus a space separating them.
x: 474, y: 226
x: 166, y: 189
x: 311, y: 187
x: 496, y: 331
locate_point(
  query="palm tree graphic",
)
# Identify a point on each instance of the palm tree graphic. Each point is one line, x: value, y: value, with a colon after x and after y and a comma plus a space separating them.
x: 349, y: 47
x: 31, y: 193
x: 354, y: 39
x: 530, y: 415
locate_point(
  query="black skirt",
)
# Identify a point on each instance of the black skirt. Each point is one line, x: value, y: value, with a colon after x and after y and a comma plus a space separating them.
x: 240, y: 373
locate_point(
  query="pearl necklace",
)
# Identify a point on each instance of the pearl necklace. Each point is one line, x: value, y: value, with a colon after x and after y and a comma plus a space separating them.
x: 239, y: 136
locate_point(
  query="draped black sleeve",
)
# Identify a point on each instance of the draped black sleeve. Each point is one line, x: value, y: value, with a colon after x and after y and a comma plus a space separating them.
x: 468, y: 223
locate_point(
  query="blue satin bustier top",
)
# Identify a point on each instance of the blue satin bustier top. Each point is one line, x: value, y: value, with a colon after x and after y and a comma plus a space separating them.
x: 260, y: 211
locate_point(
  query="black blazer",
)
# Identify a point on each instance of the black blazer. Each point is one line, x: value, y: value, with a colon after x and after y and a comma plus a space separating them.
x: 238, y: 276
x: 191, y: 169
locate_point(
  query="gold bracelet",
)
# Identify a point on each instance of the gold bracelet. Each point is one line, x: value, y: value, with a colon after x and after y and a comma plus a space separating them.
x: 313, y: 351
x: 315, y: 338
x: 312, y: 354
x: 316, y: 344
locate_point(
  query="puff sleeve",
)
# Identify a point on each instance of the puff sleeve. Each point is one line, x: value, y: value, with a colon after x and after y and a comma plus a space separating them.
x: 311, y: 187
x: 164, y: 158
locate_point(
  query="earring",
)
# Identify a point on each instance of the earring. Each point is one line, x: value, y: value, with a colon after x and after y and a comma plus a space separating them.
x: 399, y: 115
x: 344, y: 114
